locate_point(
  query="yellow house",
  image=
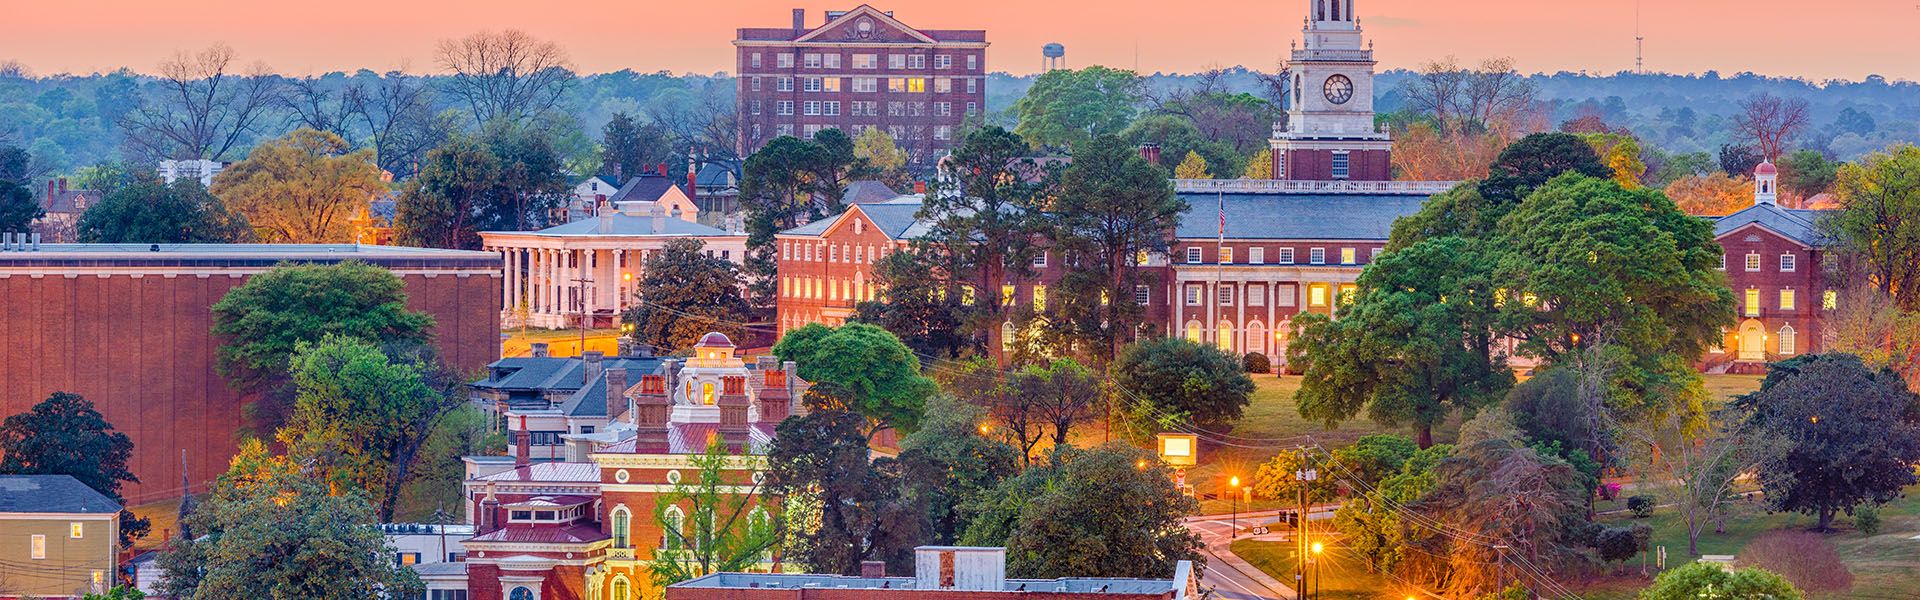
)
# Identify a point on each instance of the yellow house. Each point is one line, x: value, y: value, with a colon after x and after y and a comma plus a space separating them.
x: 57, y: 537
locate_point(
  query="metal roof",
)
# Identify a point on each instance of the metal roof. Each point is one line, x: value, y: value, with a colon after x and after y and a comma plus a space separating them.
x: 1798, y: 225
x: 1294, y: 216
x: 61, y: 494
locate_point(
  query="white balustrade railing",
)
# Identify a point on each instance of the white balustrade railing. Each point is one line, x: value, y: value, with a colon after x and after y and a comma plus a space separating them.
x: 1285, y: 186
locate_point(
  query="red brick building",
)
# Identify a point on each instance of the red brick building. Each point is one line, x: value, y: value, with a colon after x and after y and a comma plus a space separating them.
x: 129, y: 327
x: 859, y: 69
x: 583, y: 527
x: 1329, y: 134
x: 940, y: 573
x: 1774, y: 259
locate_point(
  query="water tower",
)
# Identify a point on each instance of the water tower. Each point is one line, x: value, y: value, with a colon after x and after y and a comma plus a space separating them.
x: 1053, y: 57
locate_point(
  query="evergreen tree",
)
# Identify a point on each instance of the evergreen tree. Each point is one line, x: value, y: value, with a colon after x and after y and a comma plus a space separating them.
x: 64, y: 435
x: 685, y: 294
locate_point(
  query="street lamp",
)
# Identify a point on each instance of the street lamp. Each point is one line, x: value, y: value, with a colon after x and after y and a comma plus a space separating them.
x: 1318, y: 587
x: 1233, y: 526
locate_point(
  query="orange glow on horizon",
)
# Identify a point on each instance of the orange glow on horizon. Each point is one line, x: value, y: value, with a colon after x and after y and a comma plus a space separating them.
x: 1730, y: 36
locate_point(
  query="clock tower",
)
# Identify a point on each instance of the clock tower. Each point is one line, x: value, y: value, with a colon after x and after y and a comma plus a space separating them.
x: 1329, y: 133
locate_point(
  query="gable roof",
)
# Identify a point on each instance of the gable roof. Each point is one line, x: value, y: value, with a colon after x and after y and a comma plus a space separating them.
x: 645, y: 188
x: 848, y: 20
x: 867, y: 191
x: 1798, y: 225
x: 716, y: 175
x: 60, y: 494
x: 897, y: 218
x: 625, y: 224
x: 913, y: 35
x: 606, y: 180
x: 1366, y: 217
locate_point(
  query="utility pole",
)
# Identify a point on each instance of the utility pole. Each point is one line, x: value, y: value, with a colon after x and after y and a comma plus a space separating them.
x: 1305, y: 476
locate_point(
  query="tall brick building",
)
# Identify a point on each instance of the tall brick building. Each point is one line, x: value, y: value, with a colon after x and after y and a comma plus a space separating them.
x: 1329, y: 133
x: 129, y: 327
x: 1774, y: 259
x: 859, y: 69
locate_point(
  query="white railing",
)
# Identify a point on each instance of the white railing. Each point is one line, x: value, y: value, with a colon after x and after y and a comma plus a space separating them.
x: 1287, y: 186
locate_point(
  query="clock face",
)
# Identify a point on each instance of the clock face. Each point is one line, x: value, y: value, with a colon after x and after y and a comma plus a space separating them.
x: 1339, y: 89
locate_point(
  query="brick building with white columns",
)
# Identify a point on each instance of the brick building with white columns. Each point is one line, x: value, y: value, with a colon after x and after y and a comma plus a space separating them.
x: 592, y: 265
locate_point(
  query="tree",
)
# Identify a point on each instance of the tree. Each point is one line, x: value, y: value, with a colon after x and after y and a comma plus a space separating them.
x: 1843, y: 434
x: 305, y: 187
x: 1423, y: 151
x: 1174, y: 379
x: 362, y: 417
x: 1869, y: 325
x: 984, y: 219
x: 843, y: 507
x: 1240, y: 122
x: 1192, y: 167
x: 684, y: 294
x: 1697, y: 464
x: 1094, y: 513
x: 950, y: 460
x: 1807, y: 173
x: 866, y: 367
x: 1492, y: 96
x: 1770, y: 122
x: 913, y: 304
x: 441, y: 207
x: 507, y: 75
x: 272, y: 529
x: 717, y: 529
x: 780, y: 184
x: 1617, y: 284
x: 1535, y: 159
x: 1066, y: 108
x: 1711, y: 195
x: 1176, y: 136
x: 1373, y: 458
x: 1260, y: 166
x: 64, y: 435
x: 1279, y: 478
x: 533, y: 178
x: 150, y: 212
x: 205, y: 107
x: 396, y: 112
x: 263, y: 320
x: 1371, y: 522
x: 1739, y: 160
x: 1063, y: 392
x: 1705, y: 580
x: 1878, y: 224
x: 118, y: 592
x: 884, y: 157
x: 18, y: 210
x: 629, y: 149
x: 1621, y: 153
x: 1112, y: 207
x: 1415, y: 345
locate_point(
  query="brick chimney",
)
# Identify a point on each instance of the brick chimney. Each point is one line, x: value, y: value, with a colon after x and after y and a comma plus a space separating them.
x: 489, y: 511
x: 799, y: 20
x: 63, y: 185
x: 650, y: 411
x: 693, y: 178
x: 616, y: 392
x: 1151, y: 152
x: 522, y: 444
x: 662, y: 168
x: 919, y: 187
x: 50, y: 193
x: 775, y: 400
x: 733, y: 412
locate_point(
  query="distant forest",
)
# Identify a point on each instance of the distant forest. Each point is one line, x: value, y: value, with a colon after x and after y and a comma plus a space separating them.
x: 66, y: 122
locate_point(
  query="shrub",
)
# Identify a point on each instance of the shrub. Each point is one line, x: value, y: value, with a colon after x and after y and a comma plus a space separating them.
x: 1642, y: 505
x: 1807, y: 559
x: 1620, y: 544
x: 1867, y: 519
x: 1256, y: 362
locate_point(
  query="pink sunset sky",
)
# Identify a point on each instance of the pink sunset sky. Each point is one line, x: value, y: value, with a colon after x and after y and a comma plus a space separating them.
x: 1847, y: 39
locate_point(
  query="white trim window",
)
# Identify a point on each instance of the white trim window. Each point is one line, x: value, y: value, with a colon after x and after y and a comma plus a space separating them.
x: 1317, y: 256
x: 1342, y: 165
x: 1787, y: 263
x: 1257, y: 295
x: 1141, y: 294
x: 1226, y: 295
x: 1193, y: 255
x: 1753, y: 262
x: 1286, y: 256
x: 1193, y: 295
x: 1256, y: 255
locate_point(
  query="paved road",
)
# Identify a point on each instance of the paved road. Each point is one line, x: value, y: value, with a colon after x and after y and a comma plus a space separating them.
x: 1227, y: 575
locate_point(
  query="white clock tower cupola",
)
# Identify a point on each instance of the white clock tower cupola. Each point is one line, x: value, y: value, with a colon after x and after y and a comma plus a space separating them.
x: 1329, y: 133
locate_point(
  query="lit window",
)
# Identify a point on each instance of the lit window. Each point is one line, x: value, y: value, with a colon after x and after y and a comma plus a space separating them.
x: 621, y: 588
x: 39, y: 546
x: 1317, y: 256
x: 407, y: 559
x: 1006, y: 295
x: 1223, y: 336
x: 1039, y: 297
x: 1317, y: 295
x: 1786, y: 299
x: 76, y: 530
x: 1786, y: 263
x: 1347, y: 292
x: 1829, y: 300
x: 1753, y: 303
x: 1286, y: 256
x: 916, y: 85
x: 1348, y: 256
x: 830, y: 84
x: 1753, y: 262
x: 1226, y: 255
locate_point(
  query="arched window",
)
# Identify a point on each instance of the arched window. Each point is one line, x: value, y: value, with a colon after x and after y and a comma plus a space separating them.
x: 1006, y: 336
x: 1257, y: 337
x: 1193, y: 331
x: 622, y: 589
x: 622, y: 521
x: 1788, y: 338
x: 521, y: 593
x: 676, y: 527
x: 1223, y: 336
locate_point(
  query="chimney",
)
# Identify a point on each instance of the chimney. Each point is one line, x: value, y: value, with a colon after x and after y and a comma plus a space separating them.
x: 539, y: 349
x: 50, y: 194
x: 733, y: 412
x: 1151, y: 152
x: 63, y: 185
x: 873, y: 569
x: 776, y: 399
x: 591, y: 370
x: 616, y: 392
x: 799, y: 20
x: 662, y: 167
x: 489, y: 511
x: 919, y: 187
x: 693, y: 178
x: 659, y: 218
x: 650, y: 411
x: 522, y: 444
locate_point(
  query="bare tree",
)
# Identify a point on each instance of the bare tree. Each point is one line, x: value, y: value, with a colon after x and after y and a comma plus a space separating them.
x: 1770, y: 122
x: 206, y: 109
x: 397, y: 114
x: 707, y: 126
x: 1241, y: 121
x: 505, y: 75
x: 1491, y: 96
x: 14, y: 69
x: 319, y: 106
x: 1694, y: 465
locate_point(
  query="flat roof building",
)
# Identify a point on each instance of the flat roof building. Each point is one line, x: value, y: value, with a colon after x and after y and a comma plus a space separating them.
x: 940, y: 573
